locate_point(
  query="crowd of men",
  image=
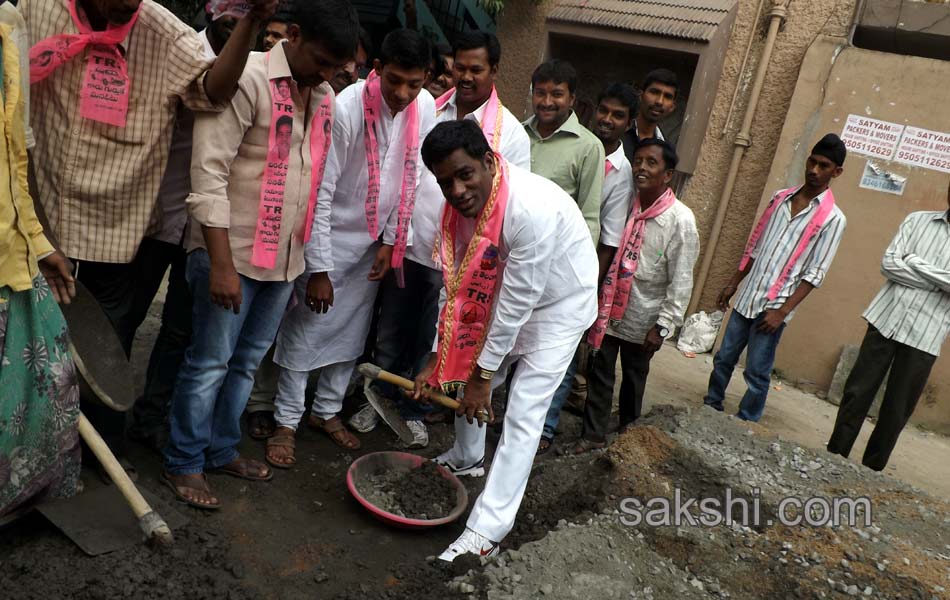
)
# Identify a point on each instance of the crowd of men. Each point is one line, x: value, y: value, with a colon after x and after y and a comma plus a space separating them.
x: 324, y: 201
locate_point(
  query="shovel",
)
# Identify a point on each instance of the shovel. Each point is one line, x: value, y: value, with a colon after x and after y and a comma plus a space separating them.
x: 371, y: 371
x: 150, y: 522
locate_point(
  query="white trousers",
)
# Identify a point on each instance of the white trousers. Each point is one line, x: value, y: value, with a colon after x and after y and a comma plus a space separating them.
x: 292, y: 387
x: 536, y: 378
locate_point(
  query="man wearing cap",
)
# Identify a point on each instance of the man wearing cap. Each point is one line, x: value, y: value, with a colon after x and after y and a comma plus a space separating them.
x: 787, y: 256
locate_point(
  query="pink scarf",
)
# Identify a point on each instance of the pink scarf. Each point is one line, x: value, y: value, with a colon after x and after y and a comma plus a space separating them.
x: 104, y: 95
x: 615, y: 291
x: 372, y: 113
x: 469, y: 288
x: 491, y: 119
x: 270, y: 209
x: 825, y: 207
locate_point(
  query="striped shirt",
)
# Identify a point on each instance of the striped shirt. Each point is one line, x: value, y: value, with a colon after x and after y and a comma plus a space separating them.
x: 913, y: 307
x: 775, y: 248
x: 663, y: 281
x: 99, y: 183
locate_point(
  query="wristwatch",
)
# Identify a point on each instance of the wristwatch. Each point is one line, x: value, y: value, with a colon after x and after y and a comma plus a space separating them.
x: 663, y: 331
x: 485, y: 374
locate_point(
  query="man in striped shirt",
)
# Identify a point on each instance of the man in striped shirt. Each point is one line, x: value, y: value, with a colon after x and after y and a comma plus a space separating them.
x: 908, y: 321
x: 788, y: 256
x: 98, y: 182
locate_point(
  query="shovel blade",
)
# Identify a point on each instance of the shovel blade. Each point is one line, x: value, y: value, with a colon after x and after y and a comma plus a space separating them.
x: 388, y: 412
x: 99, y: 520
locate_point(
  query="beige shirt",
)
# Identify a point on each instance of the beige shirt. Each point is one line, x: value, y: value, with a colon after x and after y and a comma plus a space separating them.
x: 227, y: 170
x: 99, y: 183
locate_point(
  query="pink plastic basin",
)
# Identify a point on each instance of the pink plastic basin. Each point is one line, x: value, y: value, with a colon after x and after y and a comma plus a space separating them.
x: 386, y: 462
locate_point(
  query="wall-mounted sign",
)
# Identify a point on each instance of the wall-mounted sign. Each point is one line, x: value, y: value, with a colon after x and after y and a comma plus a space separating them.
x: 876, y: 178
x: 924, y: 148
x: 871, y: 137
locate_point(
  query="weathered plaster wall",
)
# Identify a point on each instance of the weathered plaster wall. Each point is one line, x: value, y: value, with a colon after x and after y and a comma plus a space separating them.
x: 806, y: 20
x: 522, y: 34
x: 523, y: 40
x: 836, y: 81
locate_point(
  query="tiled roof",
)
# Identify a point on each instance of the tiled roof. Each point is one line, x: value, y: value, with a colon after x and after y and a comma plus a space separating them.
x: 685, y: 19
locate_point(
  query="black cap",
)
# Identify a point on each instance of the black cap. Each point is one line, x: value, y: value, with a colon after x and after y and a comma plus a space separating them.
x: 832, y: 148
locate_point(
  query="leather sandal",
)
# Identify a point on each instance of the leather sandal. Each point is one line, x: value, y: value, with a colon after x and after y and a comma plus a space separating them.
x: 336, y: 430
x: 241, y: 467
x: 282, y: 438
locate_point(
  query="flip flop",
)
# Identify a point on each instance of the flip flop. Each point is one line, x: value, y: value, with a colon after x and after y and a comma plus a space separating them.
x: 583, y: 446
x: 184, y: 499
x: 546, y: 448
x: 283, y: 440
x: 335, y: 425
x: 241, y: 471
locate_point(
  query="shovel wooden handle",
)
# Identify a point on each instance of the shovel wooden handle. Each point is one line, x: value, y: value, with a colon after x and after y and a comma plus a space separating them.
x: 150, y: 521
x: 374, y: 372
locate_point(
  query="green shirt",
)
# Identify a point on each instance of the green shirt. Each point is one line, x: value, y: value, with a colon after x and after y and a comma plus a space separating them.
x: 573, y: 158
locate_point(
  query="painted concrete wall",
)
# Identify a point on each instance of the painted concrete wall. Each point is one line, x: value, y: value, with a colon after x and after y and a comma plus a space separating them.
x: 835, y: 81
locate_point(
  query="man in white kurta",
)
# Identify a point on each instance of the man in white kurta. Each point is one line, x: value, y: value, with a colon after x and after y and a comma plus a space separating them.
x: 408, y: 315
x: 333, y: 341
x: 546, y: 299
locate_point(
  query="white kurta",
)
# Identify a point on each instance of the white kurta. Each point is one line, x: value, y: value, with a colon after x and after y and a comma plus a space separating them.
x: 548, y: 288
x: 308, y: 340
x: 515, y: 147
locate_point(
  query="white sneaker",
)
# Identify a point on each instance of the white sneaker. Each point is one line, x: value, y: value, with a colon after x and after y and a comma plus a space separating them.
x: 475, y: 470
x: 420, y: 436
x: 470, y: 543
x: 365, y: 420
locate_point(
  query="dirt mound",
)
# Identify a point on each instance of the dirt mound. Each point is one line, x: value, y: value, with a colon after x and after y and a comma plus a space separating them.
x: 747, y: 475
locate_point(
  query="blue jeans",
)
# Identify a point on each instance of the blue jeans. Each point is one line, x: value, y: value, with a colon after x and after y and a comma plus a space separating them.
x: 760, y: 358
x: 217, y: 374
x: 407, y: 327
x: 557, y: 402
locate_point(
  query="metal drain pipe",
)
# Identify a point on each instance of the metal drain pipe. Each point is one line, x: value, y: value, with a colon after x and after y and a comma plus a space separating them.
x: 777, y: 16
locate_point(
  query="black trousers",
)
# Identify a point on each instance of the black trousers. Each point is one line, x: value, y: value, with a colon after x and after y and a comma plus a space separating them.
x: 601, y: 375
x: 125, y: 291
x: 150, y: 413
x: 910, y: 369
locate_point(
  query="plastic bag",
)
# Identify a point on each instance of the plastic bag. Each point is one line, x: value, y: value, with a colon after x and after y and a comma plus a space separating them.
x: 699, y: 332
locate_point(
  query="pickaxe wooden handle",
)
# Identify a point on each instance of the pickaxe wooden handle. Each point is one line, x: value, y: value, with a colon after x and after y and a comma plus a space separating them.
x: 374, y: 372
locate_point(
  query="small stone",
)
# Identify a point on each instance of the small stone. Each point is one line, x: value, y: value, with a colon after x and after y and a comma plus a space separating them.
x: 514, y: 555
x: 547, y: 589
x: 907, y: 561
x: 320, y: 576
x: 466, y: 588
x: 697, y: 584
x: 852, y: 590
x: 868, y: 591
x: 845, y: 564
